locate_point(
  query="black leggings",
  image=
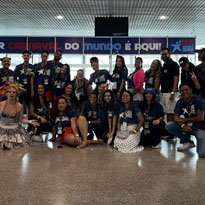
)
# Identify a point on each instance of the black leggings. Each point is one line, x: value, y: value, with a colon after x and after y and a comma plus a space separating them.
x: 151, y: 139
x: 43, y: 127
x: 97, y: 129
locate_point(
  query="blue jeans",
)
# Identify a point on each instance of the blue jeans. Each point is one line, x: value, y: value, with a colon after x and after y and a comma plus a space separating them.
x: 176, y: 130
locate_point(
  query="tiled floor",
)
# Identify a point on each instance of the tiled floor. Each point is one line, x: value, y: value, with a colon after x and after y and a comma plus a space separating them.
x: 45, y: 174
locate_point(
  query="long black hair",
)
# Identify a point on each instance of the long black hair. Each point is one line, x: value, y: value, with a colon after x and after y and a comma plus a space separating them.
x: 108, y: 106
x: 131, y: 104
x: 144, y: 106
x: 36, y: 99
x: 123, y: 65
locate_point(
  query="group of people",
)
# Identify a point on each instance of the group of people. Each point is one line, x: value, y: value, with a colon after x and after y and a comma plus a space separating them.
x: 126, y: 111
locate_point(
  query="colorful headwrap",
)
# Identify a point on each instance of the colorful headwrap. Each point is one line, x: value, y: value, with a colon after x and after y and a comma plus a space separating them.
x: 7, y: 85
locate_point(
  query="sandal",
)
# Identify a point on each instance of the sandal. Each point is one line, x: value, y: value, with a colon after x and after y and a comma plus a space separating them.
x: 81, y: 146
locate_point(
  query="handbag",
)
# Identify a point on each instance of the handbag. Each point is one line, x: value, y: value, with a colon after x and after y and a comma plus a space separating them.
x: 122, y: 134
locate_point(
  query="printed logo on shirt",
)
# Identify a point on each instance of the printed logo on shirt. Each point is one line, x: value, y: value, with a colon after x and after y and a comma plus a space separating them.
x: 126, y: 114
x: 63, y: 119
x: 102, y: 78
x: 92, y: 114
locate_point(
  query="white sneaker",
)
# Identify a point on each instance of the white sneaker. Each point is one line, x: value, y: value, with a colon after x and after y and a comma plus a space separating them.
x: 186, y: 146
x: 157, y: 146
x: 37, y: 138
x: 109, y: 141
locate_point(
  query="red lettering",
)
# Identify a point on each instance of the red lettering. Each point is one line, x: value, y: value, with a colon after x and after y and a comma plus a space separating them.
x: 23, y: 46
x: 17, y: 46
x: 51, y: 46
x: 58, y: 48
x: 10, y: 45
x: 38, y: 46
x: 187, y: 42
x: 44, y: 46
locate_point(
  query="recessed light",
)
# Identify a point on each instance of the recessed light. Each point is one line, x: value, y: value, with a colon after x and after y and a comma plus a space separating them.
x: 60, y: 17
x: 163, y: 17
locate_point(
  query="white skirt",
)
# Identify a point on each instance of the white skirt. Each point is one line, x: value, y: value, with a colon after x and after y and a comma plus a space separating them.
x: 130, y: 144
x: 13, y: 136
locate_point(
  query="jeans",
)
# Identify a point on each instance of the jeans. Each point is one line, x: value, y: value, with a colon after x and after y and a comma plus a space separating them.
x: 176, y: 130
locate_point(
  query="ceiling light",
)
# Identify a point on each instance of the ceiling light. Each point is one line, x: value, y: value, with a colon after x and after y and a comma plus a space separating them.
x: 60, y: 17
x: 163, y: 17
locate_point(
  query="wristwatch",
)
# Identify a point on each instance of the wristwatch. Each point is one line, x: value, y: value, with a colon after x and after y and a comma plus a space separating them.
x: 172, y: 93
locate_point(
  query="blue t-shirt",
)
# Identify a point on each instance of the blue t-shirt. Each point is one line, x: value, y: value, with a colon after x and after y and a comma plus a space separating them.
x: 4, y: 77
x: 113, y: 112
x: 23, y: 75
x: 43, y: 75
x: 55, y: 66
x: 151, y: 112
x: 117, y: 77
x: 65, y: 120
x: 149, y: 80
x: 93, y: 113
x: 60, y: 81
x: 129, y: 116
x: 189, y: 109
x: 100, y: 77
x: 130, y: 81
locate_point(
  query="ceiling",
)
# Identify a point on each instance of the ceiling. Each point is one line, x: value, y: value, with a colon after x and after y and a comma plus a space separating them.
x: 37, y: 18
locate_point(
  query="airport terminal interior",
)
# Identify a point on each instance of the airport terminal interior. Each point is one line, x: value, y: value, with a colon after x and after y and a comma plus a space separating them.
x: 51, y: 173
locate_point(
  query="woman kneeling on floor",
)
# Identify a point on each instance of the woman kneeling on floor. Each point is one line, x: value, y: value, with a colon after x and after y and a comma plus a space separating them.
x: 65, y: 124
x: 93, y: 113
x: 130, y: 120
x: 12, y: 134
x: 153, y: 116
x: 39, y: 110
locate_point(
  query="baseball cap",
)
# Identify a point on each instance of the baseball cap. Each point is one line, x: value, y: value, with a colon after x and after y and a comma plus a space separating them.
x: 149, y: 90
x: 200, y: 50
x: 183, y: 61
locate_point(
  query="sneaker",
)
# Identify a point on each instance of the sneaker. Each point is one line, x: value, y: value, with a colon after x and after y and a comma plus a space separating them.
x: 31, y: 133
x: 109, y: 141
x: 157, y: 146
x: 170, y: 138
x: 37, y: 138
x: 186, y: 146
x: 164, y: 137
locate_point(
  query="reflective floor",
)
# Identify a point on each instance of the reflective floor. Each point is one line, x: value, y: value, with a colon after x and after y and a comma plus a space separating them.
x: 46, y: 174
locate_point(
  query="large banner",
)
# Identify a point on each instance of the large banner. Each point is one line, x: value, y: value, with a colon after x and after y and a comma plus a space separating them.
x: 97, y: 45
x: 181, y: 45
x: 125, y: 46
x: 70, y: 45
x: 39, y: 44
x: 12, y: 44
x: 152, y: 45
x: 94, y: 45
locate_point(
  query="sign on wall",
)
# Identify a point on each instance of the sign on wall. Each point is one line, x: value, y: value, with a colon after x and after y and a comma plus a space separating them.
x: 39, y: 44
x: 85, y: 45
x: 12, y: 44
x: 125, y: 46
x: 97, y: 45
x: 152, y: 45
x: 70, y: 45
x: 181, y: 45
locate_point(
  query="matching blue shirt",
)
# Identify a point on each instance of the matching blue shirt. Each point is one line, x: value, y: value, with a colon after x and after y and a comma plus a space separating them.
x: 129, y: 116
x: 189, y: 109
x: 130, y: 81
x: 93, y: 113
x: 117, y: 77
x: 65, y: 120
x: 4, y: 77
x: 101, y: 77
x: 43, y: 75
x: 23, y: 75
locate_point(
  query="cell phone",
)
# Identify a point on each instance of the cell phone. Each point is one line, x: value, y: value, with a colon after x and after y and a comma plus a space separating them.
x: 59, y: 147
